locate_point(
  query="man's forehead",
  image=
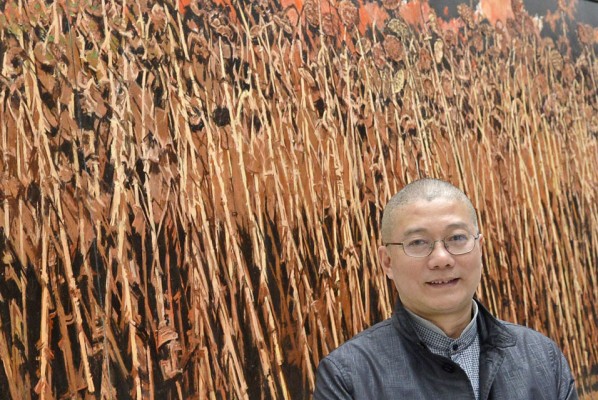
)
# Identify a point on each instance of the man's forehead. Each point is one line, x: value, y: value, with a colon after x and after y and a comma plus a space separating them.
x: 425, y: 202
x: 417, y: 230
x: 457, y: 213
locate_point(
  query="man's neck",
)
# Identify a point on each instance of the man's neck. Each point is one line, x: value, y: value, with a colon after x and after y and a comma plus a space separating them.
x: 451, y: 325
x: 452, y: 328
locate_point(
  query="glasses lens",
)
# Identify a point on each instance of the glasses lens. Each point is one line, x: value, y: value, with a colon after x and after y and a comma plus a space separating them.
x: 417, y: 252
x: 417, y: 247
x: 455, y: 244
x: 459, y: 243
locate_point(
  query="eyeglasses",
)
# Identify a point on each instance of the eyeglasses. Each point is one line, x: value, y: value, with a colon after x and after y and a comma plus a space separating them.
x: 456, y: 244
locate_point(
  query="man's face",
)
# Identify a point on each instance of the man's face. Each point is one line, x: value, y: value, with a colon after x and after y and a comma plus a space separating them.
x: 441, y: 284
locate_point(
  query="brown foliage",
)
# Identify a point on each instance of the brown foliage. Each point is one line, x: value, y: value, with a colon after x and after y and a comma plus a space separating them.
x: 191, y: 192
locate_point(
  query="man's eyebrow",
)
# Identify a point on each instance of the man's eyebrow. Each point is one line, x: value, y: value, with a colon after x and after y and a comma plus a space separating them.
x: 458, y: 225
x: 454, y: 225
x: 413, y: 231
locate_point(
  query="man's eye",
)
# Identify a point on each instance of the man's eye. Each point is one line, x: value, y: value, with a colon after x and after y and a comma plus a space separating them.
x: 458, y: 238
x: 418, y: 243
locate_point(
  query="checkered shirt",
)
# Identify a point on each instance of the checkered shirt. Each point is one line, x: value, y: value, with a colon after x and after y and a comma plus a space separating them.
x: 465, y: 350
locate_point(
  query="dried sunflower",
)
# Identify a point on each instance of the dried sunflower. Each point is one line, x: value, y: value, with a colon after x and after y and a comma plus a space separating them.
x: 283, y: 23
x: 158, y: 18
x: 198, y: 45
x: 450, y: 39
x: 379, y: 55
x: 585, y: 33
x: 428, y: 87
x: 312, y: 13
x: 541, y: 84
x: 391, y: 4
x: 330, y: 24
x: 568, y: 73
x: 398, y: 27
x: 448, y: 85
x: 425, y: 60
x: 438, y: 51
x: 398, y: 81
x: 363, y: 46
x: 394, y: 48
x: 467, y: 15
x: 348, y: 13
x: 555, y: 59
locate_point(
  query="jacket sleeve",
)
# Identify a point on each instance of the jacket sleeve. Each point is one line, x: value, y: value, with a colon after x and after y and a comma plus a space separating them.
x: 567, y: 390
x: 331, y: 384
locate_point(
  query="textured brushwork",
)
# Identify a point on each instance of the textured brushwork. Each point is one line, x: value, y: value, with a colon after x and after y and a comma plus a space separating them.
x: 191, y: 191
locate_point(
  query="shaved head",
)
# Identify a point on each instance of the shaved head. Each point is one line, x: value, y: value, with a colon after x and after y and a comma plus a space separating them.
x: 423, y: 189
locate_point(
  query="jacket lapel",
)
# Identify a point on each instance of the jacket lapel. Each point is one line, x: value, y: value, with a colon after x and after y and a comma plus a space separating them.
x: 494, y: 339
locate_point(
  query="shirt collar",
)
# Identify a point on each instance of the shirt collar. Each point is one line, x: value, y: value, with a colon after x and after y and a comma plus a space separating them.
x: 433, y: 336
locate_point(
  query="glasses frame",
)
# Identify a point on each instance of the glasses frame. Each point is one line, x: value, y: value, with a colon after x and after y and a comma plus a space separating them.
x: 433, y: 246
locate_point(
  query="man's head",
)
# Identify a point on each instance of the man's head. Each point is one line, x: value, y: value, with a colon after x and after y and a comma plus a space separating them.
x: 441, y: 284
x: 422, y: 189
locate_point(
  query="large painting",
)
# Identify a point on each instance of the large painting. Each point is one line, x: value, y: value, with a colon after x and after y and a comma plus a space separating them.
x: 191, y: 191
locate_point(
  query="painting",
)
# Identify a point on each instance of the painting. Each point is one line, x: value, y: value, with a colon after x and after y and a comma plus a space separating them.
x: 191, y: 190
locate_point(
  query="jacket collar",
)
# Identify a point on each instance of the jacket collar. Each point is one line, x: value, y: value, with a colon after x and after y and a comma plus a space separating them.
x: 492, y: 331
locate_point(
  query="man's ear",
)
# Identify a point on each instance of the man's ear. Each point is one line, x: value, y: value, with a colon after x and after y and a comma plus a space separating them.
x: 385, y: 261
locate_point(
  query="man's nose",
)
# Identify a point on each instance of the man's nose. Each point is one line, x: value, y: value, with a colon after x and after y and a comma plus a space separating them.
x: 440, y: 256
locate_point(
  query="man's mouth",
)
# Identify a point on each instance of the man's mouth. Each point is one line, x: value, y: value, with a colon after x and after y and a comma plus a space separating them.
x: 443, y: 282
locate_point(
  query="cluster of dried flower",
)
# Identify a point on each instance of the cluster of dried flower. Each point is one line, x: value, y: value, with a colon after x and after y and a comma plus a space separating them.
x: 191, y: 192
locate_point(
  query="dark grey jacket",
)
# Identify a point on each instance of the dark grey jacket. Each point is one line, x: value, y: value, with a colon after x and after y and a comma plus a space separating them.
x: 387, y: 361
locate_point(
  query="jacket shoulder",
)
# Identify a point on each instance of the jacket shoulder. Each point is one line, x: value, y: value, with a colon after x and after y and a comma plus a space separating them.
x: 533, y: 366
x: 538, y: 358
x: 348, y: 367
x: 367, y: 341
x: 527, y: 335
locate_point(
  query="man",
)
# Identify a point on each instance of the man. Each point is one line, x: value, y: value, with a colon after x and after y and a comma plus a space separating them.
x: 440, y: 343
